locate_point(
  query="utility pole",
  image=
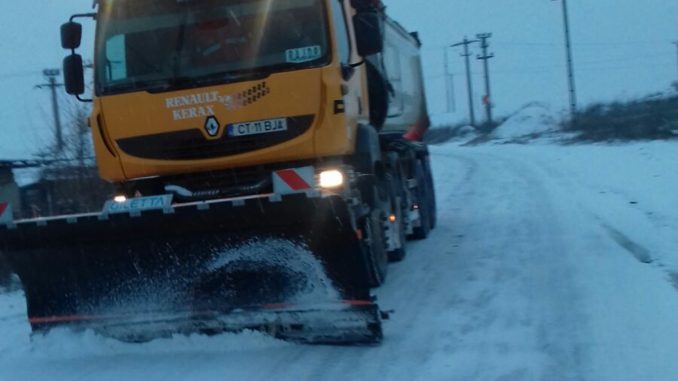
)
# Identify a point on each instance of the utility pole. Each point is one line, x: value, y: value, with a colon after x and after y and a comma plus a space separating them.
x: 449, y: 84
x: 570, y: 63
x: 51, y: 76
x: 485, y: 57
x: 676, y: 43
x: 469, y: 83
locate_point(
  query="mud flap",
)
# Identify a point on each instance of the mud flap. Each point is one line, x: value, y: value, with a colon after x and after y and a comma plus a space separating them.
x: 220, y: 257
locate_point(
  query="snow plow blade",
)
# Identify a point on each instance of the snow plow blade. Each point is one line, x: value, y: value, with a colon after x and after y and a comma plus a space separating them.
x: 330, y: 324
x: 148, y: 269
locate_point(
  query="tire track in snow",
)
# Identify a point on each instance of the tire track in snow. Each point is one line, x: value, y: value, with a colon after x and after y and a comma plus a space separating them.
x: 523, y: 256
x: 584, y: 191
x: 639, y: 252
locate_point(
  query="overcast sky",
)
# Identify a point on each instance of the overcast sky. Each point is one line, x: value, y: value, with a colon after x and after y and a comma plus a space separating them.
x: 622, y: 49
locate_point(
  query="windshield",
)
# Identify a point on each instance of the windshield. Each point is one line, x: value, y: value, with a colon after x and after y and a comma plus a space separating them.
x: 165, y: 44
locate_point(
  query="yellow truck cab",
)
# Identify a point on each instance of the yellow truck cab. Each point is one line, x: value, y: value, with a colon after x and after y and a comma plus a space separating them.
x: 202, y: 86
x: 293, y: 126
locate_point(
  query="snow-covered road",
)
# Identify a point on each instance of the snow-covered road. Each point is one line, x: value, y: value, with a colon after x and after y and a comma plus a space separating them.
x: 549, y: 263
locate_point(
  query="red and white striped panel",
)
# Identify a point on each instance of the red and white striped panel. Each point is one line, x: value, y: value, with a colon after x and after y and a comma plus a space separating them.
x: 5, y: 213
x: 297, y: 180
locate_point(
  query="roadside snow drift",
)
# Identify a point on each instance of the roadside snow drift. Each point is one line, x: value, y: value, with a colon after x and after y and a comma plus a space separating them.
x: 532, y: 120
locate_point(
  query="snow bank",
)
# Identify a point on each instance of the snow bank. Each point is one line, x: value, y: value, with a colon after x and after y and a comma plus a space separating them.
x: 444, y: 119
x: 532, y: 120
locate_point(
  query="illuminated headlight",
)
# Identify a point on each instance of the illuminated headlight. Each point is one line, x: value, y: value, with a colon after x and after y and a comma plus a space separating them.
x: 331, y: 179
x: 120, y: 199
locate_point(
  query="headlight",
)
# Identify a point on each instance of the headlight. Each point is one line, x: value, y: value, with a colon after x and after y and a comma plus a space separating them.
x: 331, y: 179
x: 120, y: 199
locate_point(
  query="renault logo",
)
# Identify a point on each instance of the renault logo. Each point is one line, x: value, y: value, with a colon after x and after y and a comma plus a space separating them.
x: 212, y: 126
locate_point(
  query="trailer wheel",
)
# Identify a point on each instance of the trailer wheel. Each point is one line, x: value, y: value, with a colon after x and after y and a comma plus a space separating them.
x: 423, y: 202
x: 375, y: 195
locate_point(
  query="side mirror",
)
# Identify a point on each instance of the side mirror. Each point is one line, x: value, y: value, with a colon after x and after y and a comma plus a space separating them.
x: 369, y: 30
x: 74, y: 75
x: 71, y: 35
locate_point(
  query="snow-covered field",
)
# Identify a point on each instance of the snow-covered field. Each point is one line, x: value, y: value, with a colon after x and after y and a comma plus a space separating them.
x: 549, y: 263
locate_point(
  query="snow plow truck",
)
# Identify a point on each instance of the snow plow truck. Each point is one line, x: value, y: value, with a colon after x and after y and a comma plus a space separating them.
x: 269, y: 163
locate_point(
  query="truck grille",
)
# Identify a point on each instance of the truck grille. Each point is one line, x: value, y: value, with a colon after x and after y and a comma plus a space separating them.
x: 192, y: 145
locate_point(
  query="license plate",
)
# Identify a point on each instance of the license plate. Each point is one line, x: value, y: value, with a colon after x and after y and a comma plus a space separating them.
x: 258, y: 127
x: 139, y: 204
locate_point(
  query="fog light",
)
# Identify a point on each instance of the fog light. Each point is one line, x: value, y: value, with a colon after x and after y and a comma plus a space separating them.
x: 120, y: 199
x: 331, y: 179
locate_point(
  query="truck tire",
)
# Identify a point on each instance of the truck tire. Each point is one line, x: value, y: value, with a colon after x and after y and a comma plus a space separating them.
x: 375, y: 195
x: 374, y: 248
x: 400, y: 209
x: 423, y: 200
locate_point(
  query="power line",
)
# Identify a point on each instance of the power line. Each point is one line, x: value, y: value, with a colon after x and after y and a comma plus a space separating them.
x: 550, y: 69
x: 19, y: 74
x: 643, y: 59
x: 581, y: 44
x: 658, y: 43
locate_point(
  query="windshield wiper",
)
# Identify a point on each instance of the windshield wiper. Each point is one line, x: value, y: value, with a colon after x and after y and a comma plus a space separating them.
x: 219, y: 78
x: 185, y: 82
x: 156, y: 85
